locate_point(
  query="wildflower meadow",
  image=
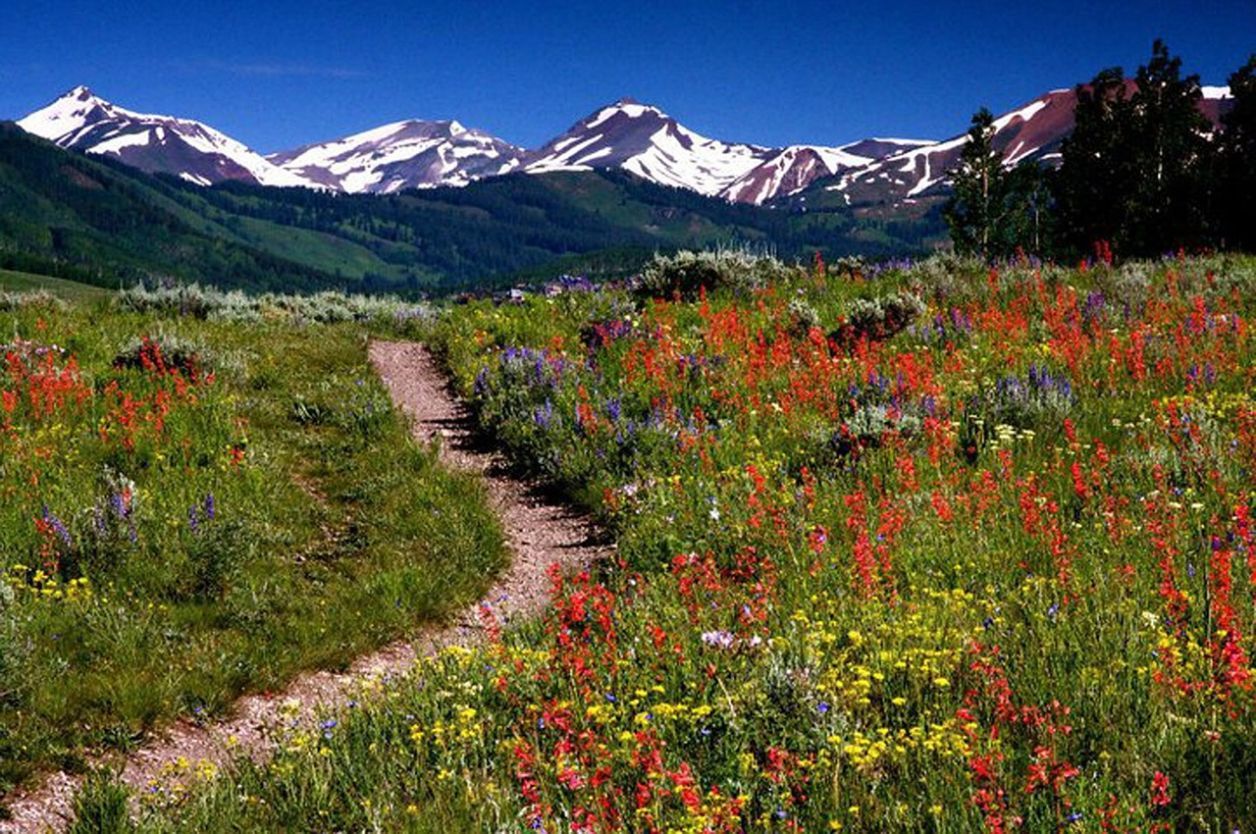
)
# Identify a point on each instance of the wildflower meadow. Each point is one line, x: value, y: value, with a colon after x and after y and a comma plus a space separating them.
x: 181, y: 518
x: 942, y: 547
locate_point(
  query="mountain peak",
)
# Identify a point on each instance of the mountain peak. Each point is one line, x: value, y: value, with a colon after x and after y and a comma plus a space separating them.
x: 627, y: 106
x: 625, y: 134
x: 81, y: 120
x: 71, y: 111
x: 415, y: 153
x: 642, y: 139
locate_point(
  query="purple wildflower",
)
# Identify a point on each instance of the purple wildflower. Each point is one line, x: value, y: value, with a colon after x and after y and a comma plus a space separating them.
x: 58, y: 527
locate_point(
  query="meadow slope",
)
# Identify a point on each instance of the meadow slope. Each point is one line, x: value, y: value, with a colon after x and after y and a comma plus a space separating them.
x: 943, y: 547
x: 200, y: 507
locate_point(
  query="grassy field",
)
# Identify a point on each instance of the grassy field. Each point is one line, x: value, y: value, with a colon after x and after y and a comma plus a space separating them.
x: 191, y: 509
x: 945, y: 549
x: 940, y: 549
x: 11, y: 281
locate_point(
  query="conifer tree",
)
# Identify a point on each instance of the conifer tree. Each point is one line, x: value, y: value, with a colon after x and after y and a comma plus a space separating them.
x: 1170, y: 153
x: 1236, y: 185
x: 1096, y: 172
x: 1030, y: 224
x: 976, y: 208
x: 1134, y: 171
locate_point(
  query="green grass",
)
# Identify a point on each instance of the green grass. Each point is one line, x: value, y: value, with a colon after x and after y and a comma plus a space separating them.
x: 332, y: 533
x: 11, y: 281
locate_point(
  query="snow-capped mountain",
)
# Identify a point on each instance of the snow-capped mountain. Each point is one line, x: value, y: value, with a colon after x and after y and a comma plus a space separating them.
x: 1034, y: 131
x: 1216, y: 102
x: 627, y: 134
x: 643, y: 140
x: 789, y: 170
x: 408, y: 154
x: 414, y: 153
x: 157, y: 144
x: 646, y: 141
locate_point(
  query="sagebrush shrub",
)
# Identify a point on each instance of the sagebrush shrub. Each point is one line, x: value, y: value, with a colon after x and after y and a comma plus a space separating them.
x: 877, y: 319
x: 235, y: 306
x: 10, y: 649
x: 849, y: 266
x: 802, y: 317
x: 165, y: 353
x: 184, y: 299
x: 688, y: 273
x: 38, y: 298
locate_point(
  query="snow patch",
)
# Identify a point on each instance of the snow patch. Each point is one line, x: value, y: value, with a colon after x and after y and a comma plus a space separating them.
x: 1024, y: 114
x: 117, y: 143
x: 631, y: 110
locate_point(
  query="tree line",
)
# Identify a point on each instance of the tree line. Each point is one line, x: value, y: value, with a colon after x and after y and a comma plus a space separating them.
x: 1144, y: 172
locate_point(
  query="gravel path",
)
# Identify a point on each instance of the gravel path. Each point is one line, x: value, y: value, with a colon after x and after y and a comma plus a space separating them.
x: 539, y: 532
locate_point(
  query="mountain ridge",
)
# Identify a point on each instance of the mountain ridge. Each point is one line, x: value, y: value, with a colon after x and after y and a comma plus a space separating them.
x: 193, y: 150
x: 1034, y: 131
x: 413, y: 153
x: 96, y: 219
x: 646, y: 141
x: 627, y: 134
x: 417, y: 153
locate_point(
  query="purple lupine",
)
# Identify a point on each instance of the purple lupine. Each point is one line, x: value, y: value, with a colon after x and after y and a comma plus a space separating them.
x: 1093, y: 309
x: 544, y: 416
x: 1038, y: 380
x: 58, y: 527
x: 202, y: 513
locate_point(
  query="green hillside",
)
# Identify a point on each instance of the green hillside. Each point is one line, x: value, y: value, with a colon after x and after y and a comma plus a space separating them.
x: 11, y: 281
x: 69, y: 216
x: 99, y: 222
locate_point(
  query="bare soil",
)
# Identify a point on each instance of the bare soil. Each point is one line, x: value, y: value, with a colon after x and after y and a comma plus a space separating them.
x: 540, y: 533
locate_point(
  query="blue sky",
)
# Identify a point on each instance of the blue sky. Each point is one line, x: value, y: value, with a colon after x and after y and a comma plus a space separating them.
x: 281, y: 74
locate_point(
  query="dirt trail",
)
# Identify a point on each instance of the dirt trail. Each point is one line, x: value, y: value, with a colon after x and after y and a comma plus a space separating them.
x: 539, y: 533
